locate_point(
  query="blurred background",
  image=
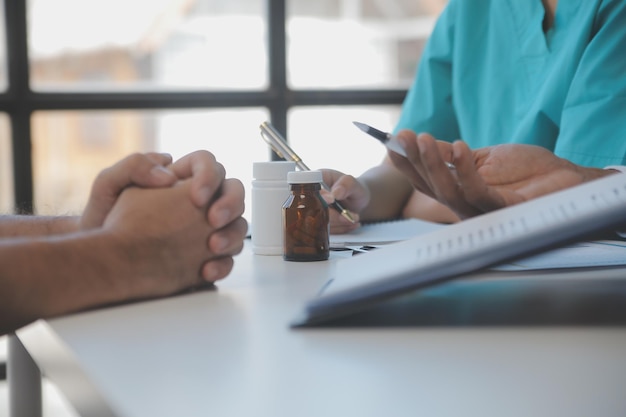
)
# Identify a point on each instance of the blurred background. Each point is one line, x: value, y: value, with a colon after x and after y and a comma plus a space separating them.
x: 208, y: 73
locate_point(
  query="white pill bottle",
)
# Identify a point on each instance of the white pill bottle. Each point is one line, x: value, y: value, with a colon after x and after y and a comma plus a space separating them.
x: 269, y: 191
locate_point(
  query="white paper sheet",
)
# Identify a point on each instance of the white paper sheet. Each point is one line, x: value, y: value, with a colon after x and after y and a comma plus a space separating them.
x: 580, y: 255
x: 384, y: 233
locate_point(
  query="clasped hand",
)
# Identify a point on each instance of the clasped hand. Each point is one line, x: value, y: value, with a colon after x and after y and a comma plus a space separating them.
x: 184, y: 218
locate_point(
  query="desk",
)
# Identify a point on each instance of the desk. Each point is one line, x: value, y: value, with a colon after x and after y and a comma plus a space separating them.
x: 230, y: 352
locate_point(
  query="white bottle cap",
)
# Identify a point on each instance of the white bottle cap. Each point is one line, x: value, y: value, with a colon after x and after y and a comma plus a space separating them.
x: 272, y: 170
x: 304, y: 177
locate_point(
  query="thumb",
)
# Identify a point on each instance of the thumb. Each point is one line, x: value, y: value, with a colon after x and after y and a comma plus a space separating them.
x: 143, y: 170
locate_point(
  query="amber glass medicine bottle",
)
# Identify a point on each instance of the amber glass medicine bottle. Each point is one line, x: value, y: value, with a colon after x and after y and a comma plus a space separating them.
x: 306, y: 222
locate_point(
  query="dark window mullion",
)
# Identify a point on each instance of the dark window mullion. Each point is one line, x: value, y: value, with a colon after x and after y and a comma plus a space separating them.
x: 19, y: 111
x: 277, y: 50
x: 139, y: 100
x: 347, y: 97
x: 172, y: 99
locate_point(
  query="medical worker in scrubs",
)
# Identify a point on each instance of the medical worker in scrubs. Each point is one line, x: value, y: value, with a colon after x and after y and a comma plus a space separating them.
x: 549, y: 73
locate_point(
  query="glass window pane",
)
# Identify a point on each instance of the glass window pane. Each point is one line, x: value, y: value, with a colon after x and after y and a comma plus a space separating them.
x: 357, y: 43
x: 71, y: 147
x: 139, y: 44
x: 7, y: 197
x: 324, y: 137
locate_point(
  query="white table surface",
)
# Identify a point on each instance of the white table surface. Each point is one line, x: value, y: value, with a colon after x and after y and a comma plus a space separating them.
x: 230, y: 352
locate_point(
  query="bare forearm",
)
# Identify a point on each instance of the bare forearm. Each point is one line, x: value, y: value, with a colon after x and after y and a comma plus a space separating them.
x: 14, y: 226
x: 50, y: 276
x: 389, y: 192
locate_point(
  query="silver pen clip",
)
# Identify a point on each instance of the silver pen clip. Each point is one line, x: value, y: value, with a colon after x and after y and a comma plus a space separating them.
x: 278, y: 144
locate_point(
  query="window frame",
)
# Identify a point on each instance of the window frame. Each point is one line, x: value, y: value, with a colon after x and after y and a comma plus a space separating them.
x: 19, y: 101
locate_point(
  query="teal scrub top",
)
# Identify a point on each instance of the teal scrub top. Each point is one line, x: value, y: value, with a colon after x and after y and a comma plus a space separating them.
x: 490, y: 75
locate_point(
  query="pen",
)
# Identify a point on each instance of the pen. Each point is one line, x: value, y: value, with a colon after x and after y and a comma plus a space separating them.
x: 278, y: 144
x: 388, y: 140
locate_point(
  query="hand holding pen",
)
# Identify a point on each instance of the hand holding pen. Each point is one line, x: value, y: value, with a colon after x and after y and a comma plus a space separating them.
x: 429, y: 165
x: 389, y: 140
x: 279, y: 145
x: 483, y: 179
